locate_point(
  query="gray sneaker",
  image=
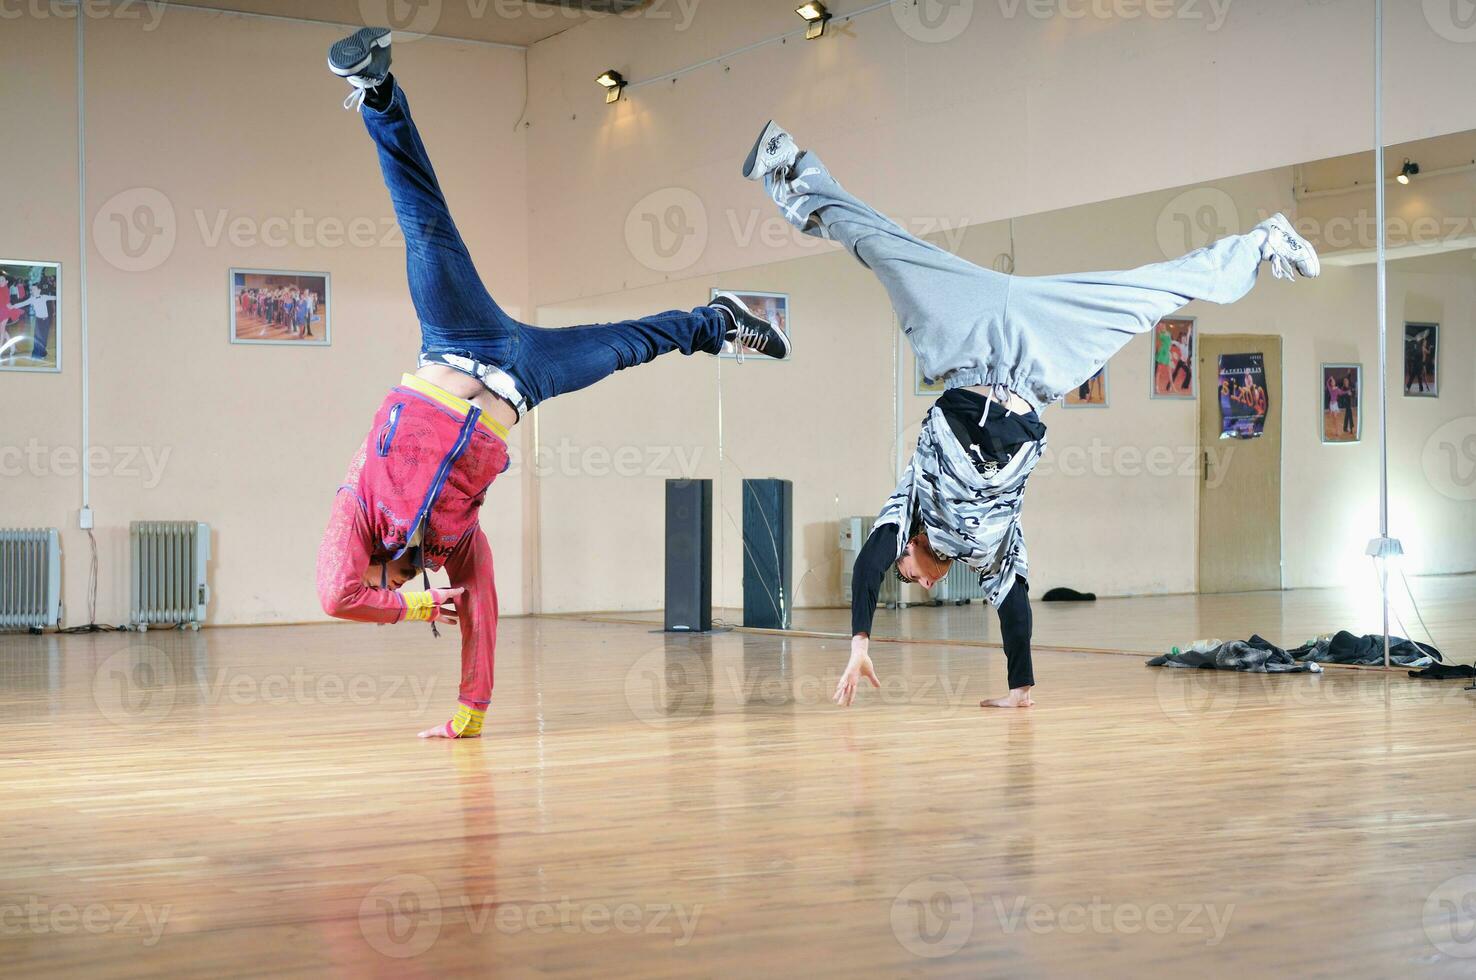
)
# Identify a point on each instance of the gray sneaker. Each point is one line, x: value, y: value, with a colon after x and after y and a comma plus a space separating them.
x: 1287, y: 251
x: 775, y: 150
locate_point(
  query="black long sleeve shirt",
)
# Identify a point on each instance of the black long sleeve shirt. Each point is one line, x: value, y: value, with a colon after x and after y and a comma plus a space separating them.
x: 877, y: 555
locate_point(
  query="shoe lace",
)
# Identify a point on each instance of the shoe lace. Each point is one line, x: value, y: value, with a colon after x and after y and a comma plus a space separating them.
x: 1283, y: 251
x: 355, y: 100
x: 745, y: 336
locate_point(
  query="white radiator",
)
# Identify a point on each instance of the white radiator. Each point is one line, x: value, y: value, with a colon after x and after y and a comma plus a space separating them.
x: 853, y: 534
x: 30, y: 578
x: 169, y: 559
x: 959, y: 586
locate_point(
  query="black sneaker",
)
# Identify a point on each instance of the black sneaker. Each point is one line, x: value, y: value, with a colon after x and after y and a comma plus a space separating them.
x: 363, y: 58
x: 749, y: 332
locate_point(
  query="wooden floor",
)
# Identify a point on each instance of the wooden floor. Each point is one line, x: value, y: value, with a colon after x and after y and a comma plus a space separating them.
x: 254, y: 801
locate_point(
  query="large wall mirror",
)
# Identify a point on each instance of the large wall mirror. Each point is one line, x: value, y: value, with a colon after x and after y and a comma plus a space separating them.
x: 1138, y: 494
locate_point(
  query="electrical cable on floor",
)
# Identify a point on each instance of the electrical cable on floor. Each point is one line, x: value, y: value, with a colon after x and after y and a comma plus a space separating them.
x: 1398, y: 619
x: 777, y: 604
x: 93, y: 626
x: 729, y: 515
x: 773, y: 540
x: 781, y: 603
x: 749, y: 552
x: 1428, y: 635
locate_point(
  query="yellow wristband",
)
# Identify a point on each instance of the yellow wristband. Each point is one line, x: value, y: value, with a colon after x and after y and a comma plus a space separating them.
x: 419, y: 606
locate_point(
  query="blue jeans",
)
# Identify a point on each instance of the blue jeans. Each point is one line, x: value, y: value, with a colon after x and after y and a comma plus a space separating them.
x: 457, y: 314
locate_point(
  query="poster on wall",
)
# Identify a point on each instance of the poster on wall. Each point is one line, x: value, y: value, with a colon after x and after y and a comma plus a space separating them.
x: 30, y: 338
x: 1342, y: 398
x: 1173, y: 358
x: 1421, y: 360
x: 272, y: 306
x: 922, y: 385
x: 773, y: 307
x: 1243, y: 397
x: 1091, y: 393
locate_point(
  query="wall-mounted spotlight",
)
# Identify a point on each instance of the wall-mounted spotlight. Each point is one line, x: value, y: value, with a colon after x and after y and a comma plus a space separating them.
x: 1410, y: 169
x: 815, y: 17
x: 613, y: 83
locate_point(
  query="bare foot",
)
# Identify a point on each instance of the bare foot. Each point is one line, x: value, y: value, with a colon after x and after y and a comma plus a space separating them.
x: 1018, y: 698
x: 444, y: 730
x: 466, y: 723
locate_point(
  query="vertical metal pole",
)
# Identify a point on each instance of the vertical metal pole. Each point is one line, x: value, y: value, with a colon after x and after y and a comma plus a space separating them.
x: 1381, y: 278
x: 900, y: 388
x: 719, y: 505
x: 82, y: 258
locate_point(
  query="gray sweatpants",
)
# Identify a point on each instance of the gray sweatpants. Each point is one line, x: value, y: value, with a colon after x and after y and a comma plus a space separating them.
x: 1038, y: 336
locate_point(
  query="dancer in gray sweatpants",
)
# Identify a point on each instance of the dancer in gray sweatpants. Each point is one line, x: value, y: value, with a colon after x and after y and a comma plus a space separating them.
x: 1005, y: 348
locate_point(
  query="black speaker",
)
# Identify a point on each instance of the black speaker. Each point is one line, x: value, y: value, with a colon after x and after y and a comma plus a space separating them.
x: 689, y: 555
x: 768, y: 553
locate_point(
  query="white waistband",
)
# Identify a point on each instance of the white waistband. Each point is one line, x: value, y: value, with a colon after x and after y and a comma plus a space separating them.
x: 494, y: 379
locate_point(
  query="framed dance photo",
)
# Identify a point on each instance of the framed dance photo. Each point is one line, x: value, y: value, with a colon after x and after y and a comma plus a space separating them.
x: 773, y: 307
x: 30, y: 317
x: 1422, y: 360
x: 273, y: 306
x: 1173, y: 358
x: 1342, y: 403
x: 1091, y: 393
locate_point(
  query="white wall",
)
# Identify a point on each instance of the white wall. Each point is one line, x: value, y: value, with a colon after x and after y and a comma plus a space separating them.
x: 1099, y: 517
x: 1014, y: 116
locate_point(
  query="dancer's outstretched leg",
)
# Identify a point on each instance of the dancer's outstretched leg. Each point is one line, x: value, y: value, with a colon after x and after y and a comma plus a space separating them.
x: 1037, y: 336
x: 458, y: 316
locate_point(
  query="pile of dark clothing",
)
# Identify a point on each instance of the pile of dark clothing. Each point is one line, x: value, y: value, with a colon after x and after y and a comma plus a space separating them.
x: 1062, y: 594
x: 1261, y: 656
x: 1446, y: 672
x: 1255, y: 655
x: 1343, y: 647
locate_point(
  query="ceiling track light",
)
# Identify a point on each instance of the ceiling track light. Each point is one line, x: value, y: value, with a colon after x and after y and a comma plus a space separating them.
x: 1410, y: 169
x: 815, y: 17
x: 613, y: 83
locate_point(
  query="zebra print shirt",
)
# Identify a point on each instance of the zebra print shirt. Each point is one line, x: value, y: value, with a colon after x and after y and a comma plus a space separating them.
x: 971, y: 513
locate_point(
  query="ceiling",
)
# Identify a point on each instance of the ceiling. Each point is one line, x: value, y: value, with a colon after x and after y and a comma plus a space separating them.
x: 500, y: 21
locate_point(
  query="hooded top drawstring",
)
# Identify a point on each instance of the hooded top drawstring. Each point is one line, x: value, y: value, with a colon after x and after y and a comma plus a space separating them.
x: 425, y: 577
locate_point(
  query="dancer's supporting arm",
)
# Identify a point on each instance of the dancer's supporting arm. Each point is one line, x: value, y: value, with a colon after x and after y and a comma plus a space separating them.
x: 471, y: 573
x: 871, y: 567
x: 1016, y: 624
x: 917, y: 564
x: 346, y: 577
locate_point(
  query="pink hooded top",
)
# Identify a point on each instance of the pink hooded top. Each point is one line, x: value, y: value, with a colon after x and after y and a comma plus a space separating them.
x: 417, y: 485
